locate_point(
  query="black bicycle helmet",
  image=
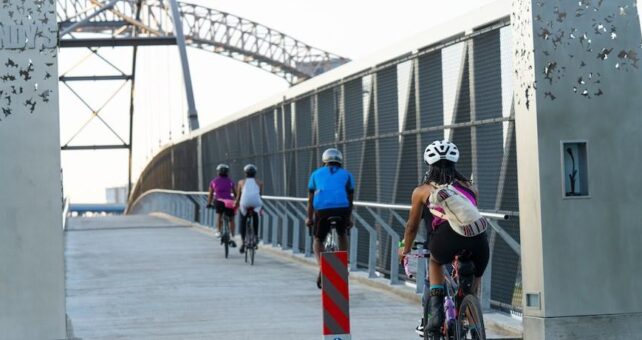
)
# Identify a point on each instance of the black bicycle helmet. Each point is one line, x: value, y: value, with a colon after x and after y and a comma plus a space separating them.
x: 250, y: 170
x: 222, y: 169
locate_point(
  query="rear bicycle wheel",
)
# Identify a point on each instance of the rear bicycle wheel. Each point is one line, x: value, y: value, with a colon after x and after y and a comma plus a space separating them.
x: 246, y: 241
x: 470, y: 320
x: 226, y: 237
x: 252, y: 243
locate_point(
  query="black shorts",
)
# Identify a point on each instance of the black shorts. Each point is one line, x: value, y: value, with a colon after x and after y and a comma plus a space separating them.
x: 445, y: 244
x: 321, y: 225
x: 222, y: 209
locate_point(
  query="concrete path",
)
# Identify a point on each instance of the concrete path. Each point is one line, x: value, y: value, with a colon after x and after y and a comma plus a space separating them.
x: 143, y: 277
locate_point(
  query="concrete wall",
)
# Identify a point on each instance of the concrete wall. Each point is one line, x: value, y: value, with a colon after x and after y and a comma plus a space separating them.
x: 577, y: 77
x: 32, y: 295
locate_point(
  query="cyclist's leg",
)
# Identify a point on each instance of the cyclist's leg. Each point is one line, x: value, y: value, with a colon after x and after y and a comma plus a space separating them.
x: 232, y: 220
x: 319, y: 232
x: 220, y: 210
x: 255, y: 222
x: 443, y: 248
x: 242, y: 227
x: 481, y: 256
x: 230, y: 214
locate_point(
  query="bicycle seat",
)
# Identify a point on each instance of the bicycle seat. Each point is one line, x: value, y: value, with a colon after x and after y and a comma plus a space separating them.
x: 335, y: 219
x: 250, y: 210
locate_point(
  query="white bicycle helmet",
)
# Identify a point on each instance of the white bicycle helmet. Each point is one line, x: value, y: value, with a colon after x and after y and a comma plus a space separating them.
x: 332, y: 155
x: 441, y: 149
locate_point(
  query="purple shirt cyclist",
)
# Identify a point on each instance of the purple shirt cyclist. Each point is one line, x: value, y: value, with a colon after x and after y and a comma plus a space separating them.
x: 222, y: 189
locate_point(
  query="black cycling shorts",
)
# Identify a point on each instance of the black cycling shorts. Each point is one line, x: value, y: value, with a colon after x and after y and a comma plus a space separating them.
x: 221, y: 208
x: 322, y: 226
x: 445, y: 244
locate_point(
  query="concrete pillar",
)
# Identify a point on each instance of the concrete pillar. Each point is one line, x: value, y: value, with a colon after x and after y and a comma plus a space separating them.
x: 578, y: 92
x: 32, y: 281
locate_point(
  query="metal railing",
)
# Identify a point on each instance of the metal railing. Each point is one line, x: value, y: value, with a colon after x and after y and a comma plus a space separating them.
x: 373, y: 239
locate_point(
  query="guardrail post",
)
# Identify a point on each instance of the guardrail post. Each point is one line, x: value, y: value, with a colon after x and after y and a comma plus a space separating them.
x: 372, y: 245
x: 394, y: 256
x: 421, y: 275
x: 394, y: 260
x: 308, y: 243
x: 354, y: 245
x: 284, y: 230
x: 296, y: 232
x: 372, y: 256
x: 487, y: 277
x: 264, y: 221
x: 275, y: 225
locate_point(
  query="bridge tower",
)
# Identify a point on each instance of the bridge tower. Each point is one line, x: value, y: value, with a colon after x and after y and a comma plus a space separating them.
x: 95, y: 24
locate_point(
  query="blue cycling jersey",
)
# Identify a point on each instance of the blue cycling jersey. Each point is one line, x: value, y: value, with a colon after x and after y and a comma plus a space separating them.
x: 331, y: 185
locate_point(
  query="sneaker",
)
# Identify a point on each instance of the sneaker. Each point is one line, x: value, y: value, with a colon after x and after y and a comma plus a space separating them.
x: 436, y: 314
x: 218, y: 235
x: 232, y: 244
x: 420, y: 329
x: 319, y: 280
x: 242, y: 249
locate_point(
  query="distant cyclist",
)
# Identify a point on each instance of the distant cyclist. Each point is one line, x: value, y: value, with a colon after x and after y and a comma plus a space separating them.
x: 221, y: 189
x: 331, y: 191
x: 444, y: 242
x: 250, y: 190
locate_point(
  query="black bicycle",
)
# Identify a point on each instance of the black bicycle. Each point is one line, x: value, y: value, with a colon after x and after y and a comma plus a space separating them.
x: 251, y: 240
x: 464, y: 318
x: 225, y: 235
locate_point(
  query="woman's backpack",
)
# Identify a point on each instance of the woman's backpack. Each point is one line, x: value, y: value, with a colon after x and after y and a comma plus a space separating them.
x: 462, y: 215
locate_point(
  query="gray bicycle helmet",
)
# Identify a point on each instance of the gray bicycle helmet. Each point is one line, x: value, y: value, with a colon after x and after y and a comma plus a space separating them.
x: 332, y: 155
x: 250, y: 170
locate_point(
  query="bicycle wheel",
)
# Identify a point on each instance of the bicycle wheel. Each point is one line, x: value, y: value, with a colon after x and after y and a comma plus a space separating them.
x: 470, y: 320
x: 246, y: 241
x: 252, y: 242
x: 226, y: 237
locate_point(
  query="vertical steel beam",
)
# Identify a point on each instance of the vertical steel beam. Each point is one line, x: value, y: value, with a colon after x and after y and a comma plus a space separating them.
x: 131, y: 121
x: 192, y: 115
x: 473, y: 106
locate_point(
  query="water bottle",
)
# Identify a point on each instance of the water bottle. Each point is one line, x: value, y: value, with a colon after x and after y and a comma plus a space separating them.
x: 449, y: 307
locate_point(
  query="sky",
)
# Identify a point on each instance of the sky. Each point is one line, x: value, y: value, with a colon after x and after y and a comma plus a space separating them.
x: 353, y: 29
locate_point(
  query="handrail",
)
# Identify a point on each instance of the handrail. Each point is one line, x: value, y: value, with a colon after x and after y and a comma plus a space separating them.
x: 488, y: 214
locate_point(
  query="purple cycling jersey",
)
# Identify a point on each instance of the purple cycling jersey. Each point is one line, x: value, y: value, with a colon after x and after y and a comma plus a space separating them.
x: 462, y: 189
x: 222, y: 188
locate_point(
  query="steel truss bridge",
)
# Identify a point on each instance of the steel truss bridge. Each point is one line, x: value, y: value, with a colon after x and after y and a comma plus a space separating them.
x: 93, y: 24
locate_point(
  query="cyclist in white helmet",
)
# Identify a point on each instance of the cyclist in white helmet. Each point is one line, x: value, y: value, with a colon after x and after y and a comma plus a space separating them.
x: 250, y: 190
x: 444, y: 242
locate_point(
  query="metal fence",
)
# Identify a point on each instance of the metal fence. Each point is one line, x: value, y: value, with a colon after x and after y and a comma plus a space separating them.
x: 381, y: 118
x: 282, y: 225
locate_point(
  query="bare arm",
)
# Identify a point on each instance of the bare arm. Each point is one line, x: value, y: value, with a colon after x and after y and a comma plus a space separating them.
x: 414, y: 218
x: 310, y: 208
x: 240, y: 191
x: 260, y: 187
x: 209, y: 196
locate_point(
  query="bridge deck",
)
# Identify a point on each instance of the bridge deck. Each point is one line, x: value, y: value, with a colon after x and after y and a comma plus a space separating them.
x: 142, y: 277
